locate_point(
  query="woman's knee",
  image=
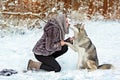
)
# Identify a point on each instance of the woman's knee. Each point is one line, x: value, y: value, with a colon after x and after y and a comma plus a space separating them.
x: 57, y: 69
x: 64, y: 48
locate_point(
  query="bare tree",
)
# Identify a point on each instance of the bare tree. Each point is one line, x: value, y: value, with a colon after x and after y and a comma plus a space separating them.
x: 0, y: 4
x: 105, y: 7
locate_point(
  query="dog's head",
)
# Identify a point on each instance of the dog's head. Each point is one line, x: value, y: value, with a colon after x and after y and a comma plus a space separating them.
x: 81, y: 29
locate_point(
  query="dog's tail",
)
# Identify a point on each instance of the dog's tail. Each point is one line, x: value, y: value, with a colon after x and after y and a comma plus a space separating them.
x: 106, y: 66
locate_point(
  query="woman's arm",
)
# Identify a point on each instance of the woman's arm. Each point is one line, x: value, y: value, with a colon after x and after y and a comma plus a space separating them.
x: 52, y: 39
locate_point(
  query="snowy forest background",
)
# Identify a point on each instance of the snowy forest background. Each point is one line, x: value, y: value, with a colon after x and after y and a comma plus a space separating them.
x: 29, y: 12
x: 21, y: 26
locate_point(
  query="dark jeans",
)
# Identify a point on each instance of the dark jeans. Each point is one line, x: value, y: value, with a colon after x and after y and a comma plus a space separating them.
x: 49, y: 63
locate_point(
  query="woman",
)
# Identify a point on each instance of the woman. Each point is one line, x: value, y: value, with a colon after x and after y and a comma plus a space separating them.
x: 51, y: 45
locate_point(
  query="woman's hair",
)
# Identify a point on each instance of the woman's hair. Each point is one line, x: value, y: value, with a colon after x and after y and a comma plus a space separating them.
x: 53, y: 15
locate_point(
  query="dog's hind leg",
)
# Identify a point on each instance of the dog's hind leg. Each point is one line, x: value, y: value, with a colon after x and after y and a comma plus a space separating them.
x: 91, y: 65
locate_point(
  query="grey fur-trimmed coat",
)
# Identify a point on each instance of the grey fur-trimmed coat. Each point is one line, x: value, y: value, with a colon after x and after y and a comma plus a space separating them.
x: 50, y: 40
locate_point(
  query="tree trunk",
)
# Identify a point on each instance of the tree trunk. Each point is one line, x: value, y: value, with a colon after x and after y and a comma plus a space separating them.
x: 0, y: 5
x: 105, y: 7
x: 91, y: 7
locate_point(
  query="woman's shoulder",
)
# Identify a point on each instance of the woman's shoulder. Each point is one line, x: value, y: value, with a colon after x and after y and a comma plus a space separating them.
x: 51, y: 24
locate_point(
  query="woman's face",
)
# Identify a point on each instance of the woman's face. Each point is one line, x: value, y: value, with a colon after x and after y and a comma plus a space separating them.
x: 67, y: 22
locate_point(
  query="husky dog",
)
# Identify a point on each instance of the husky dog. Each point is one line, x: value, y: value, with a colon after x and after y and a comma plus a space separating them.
x: 87, y: 54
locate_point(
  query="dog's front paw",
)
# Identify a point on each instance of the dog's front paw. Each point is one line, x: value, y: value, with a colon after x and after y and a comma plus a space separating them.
x: 67, y: 43
x: 69, y: 40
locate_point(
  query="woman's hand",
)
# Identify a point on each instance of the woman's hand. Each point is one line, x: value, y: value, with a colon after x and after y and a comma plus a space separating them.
x: 70, y: 40
x: 62, y: 42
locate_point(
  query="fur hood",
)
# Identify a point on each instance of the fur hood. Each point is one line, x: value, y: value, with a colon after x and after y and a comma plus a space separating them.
x: 60, y: 22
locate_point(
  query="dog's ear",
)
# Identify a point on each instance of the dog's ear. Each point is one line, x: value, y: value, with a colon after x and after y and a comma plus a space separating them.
x: 78, y: 25
x: 82, y: 26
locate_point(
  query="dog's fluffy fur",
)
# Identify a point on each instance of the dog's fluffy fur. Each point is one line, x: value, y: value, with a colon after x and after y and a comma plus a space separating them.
x: 87, y: 55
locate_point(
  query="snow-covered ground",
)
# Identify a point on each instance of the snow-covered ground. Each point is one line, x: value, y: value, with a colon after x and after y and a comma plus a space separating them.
x: 16, y: 50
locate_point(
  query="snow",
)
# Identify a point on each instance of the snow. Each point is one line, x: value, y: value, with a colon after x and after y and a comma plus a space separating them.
x: 16, y: 50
